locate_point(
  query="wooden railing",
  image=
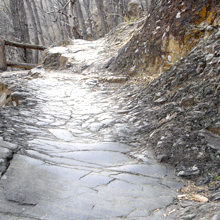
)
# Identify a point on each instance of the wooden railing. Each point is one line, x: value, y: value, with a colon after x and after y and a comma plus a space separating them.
x: 3, y: 61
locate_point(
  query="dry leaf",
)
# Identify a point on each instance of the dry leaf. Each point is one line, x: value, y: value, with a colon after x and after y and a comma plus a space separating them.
x: 181, y: 196
x: 200, y: 198
x: 156, y: 210
x: 171, y: 211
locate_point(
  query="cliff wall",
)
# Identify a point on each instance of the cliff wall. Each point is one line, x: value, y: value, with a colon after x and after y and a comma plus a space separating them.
x: 172, y: 29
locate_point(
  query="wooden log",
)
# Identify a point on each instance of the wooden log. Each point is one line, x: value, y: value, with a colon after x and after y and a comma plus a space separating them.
x: 3, y: 64
x: 23, y: 45
x: 21, y: 65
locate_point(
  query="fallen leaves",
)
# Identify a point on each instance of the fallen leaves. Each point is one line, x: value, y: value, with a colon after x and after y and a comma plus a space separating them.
x: 193, y: 197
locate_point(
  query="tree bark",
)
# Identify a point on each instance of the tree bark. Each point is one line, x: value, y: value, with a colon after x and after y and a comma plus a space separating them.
x: 20, y: 25
x: 100, y: 7
x: 89, y: 14
x: 147, y: 5
x: 120, y: 10
x: 15, y: 19
x: 35, y: 31
x: 38, y: 22
x: 55, y: 20
x: 67, y: 24
x: 73, y: 20
x: 113, y: 16
x: 45, y: 22
x: 71, y: 16
x: 51, y: 17
x: 79, y: 14
x: 25, y: 37
x: 62, y: 20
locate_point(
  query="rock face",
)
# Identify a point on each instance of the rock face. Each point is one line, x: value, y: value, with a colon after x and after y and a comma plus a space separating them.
x: 55, y: 61
x: 6, y: 152
x: 185, y: 111
x: 171, y: 30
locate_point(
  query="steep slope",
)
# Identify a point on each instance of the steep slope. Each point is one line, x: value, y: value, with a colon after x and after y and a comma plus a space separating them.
x: 184, y: 115
x: 171, y: 30
x: 185, y: 123
x: 179, y: 44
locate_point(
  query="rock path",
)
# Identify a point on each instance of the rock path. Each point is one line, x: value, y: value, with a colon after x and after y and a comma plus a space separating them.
x: 72, y: 152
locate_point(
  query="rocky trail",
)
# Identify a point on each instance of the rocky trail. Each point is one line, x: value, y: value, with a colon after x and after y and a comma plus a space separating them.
x: 67, y: 146
x: 82, y: 142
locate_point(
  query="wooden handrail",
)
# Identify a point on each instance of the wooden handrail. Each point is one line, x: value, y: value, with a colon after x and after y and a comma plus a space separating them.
x: 4, y: 63
x: 21, y: 65
x: 24, y: 45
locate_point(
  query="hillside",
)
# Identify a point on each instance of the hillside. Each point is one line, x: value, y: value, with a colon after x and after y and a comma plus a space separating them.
x: 177, y: 56
x: 180, y: 49
x: 171, y: 65
x: 171, y: 30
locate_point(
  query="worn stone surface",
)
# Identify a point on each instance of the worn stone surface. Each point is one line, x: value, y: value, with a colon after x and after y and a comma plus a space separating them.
x: 82, y: 138
x: 74, y: 159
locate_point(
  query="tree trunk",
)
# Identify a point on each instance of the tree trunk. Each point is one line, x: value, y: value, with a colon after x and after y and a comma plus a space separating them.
x: 19, y: 20
x: 120, y: 10
x: 45, y: 22
x: 86, y: 4
x: 52, y: 26
x: 38, y: 23
x: 25, y: 37
x: 15, y: 19
x: 73, y: 20
x: 61, y: 26
x: 35, y: 31
x: 126, y: 9
x: 54, y: 21
x: 147, y: 5
x: 67, y: 24
x: 113, y: 16
x: 100, y: 7
x: 62, y: 19
x: 79, y: 14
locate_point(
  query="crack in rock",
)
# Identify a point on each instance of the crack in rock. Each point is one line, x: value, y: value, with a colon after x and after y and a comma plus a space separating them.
x: 20, y: 201
x: 19, y: 215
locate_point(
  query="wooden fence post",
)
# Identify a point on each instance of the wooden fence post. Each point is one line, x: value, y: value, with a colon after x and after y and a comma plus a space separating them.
x: 3, y: 63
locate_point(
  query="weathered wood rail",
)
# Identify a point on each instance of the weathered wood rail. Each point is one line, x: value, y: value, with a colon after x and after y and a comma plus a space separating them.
x: 3, y: 61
